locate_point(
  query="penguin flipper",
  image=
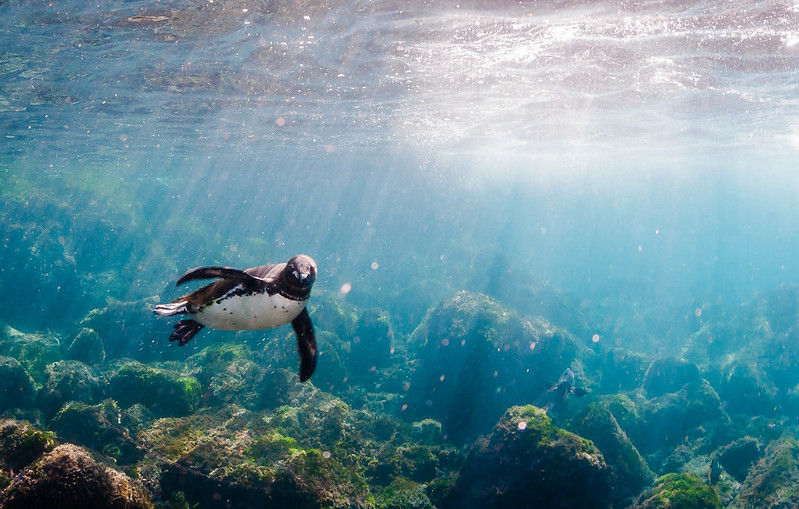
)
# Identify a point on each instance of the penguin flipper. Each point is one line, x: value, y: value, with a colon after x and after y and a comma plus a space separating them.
x: 221, y: 273
x: 306, y: 344
x: 184, y: 331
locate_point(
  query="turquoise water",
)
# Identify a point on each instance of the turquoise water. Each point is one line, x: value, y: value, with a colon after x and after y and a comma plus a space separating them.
x: 621, y: 171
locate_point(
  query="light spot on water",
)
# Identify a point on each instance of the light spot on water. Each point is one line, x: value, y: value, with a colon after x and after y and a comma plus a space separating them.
x: 326, y: 455
x: 445, y: 342
x: 698, y: 312
x: 345, y: 289
x: 375, y: 266
x: 595, y: 338
x: 522, y: 425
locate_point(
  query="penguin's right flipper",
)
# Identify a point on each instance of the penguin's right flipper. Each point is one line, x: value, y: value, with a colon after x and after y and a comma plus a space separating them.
x: 306, y: 344
x: 221, y: 273
x: 184, y: 331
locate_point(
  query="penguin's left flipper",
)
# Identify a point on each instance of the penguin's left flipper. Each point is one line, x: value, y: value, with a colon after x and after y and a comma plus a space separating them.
x: 306, y: 344
x: 221, y: 273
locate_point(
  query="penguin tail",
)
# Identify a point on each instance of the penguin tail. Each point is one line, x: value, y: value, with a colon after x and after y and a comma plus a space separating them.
x: 171, y: 308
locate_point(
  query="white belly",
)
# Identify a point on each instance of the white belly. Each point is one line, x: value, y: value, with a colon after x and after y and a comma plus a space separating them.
x: 253, y: 312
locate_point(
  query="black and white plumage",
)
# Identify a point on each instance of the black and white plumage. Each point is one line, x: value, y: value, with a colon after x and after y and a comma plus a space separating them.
x: 257, y: 298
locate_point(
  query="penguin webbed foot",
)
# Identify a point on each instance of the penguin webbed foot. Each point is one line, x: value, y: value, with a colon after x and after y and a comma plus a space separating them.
x: 184, y: 331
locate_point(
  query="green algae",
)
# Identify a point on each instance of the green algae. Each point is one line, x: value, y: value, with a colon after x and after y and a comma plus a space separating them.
x: 680, y: 491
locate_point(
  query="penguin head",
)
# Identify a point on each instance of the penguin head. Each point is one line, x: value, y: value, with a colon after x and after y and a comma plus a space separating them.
x: 300, y: 272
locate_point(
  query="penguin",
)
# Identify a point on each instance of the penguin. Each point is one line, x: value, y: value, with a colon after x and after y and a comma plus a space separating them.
x: 257, y: 298
x: 557, y: 393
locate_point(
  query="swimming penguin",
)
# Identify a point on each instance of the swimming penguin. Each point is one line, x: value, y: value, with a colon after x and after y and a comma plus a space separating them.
x: 555, y: 395
x: 256, y: 298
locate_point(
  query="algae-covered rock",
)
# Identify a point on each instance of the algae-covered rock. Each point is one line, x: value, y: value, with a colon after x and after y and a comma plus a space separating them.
x: 476, y: 358
x: 666, y: 421
x: 164, y: 392
x: 21, y: 443
x: 68, y: 478
x: 127, y: 329
x: 33, y: 351
x: 371, y: 345
x: 403, y: 494
x: 674, y: 491
x: 667, y: 375
x: 738, y: 456
x: 597, y: 423
x: 87, y: 347
x: 96, y: 427
x: 427, y: 431
x: 771, y: 483
x: 528, y: 462
x: 70, y: 381
x: 17, y: 389
x: 747, y: 390
x: 622, y: 370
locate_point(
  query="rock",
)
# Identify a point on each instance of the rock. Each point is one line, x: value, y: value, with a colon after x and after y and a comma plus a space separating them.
x: 17, y: 389
x: 528, y: 462
x: 403, y: 494
x: 128, y: 329
x: 68, y: 478
x: 476, y: 358
x: 427, y: 431
x: 771, y: 483
x: 737, y: 457
x: 33, y: 351
x: 87, y: 347
x: 746, y: 390
x: 679, y: 491
x: 21, y: 443
x: 69, y: 381
x: 371, y: 346
x: 95, y: 427
x: 622, y: 370
x: 695, y: 412
x: 668, y: 375
x: 631, y: 473
x: 164, y: 392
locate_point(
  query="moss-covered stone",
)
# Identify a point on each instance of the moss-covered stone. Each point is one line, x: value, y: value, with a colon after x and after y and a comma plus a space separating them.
x: 87, y: 347
x: 17, y: 389
x: 21, y: 443
x: 679, y: 491
x: 527, y: 461
x: 69, y: 478
x: 772, y: 481
x: 598, y: 424
x: 164, y: 392
x: 70, y: 381
x: 96, y: 427
x: 403, y: 494
x: 738, y: 456
x: 476, y: 359
x: 33, y: 351
x: 668, y: 374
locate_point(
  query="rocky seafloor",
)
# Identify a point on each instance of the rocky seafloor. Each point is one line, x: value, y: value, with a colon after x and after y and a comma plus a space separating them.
x: 439, y: 417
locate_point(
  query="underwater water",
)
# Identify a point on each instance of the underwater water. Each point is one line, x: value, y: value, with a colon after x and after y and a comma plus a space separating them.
x: 557, y: 250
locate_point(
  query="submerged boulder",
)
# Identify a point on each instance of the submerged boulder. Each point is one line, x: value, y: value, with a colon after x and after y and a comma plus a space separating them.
x: 679, y: 491
x: 69, y: 381
x: 164, y: 392
x: 772, y: 481
x: 17, y: 389
x: 528, y: 462
x: 476, y: 358
x: 69, y: 478
x: 667, y: 375
x: 87, y: 347
x: 21, y: 443
x: 597, y: 423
